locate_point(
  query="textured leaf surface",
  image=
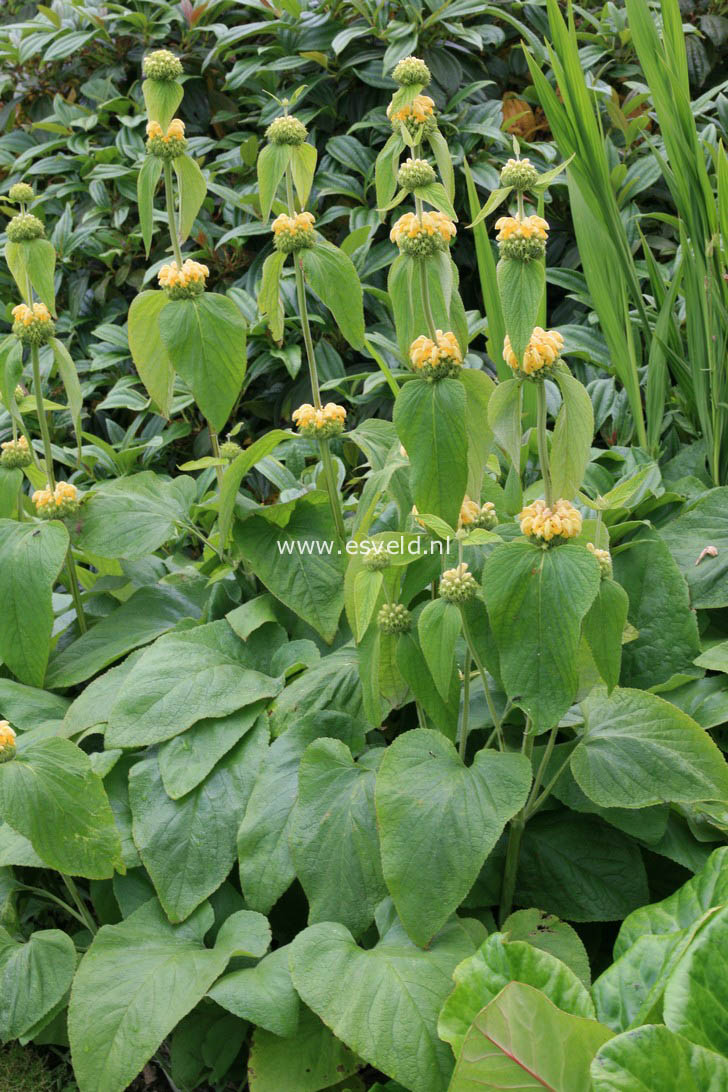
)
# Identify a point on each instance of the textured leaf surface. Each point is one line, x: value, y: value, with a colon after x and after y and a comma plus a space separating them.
x: 34, y: 978
x: 653, y: 1057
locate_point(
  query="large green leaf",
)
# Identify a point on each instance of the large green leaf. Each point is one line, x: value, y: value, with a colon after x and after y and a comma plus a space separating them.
x: 236, y: 471
x: 418, y: 676
x: 307, y: 1060
x: 659, y: 608
x: 438, y: 628
x: 69, y: 377
x: 272, y: 163
x: 430, y: 422
x: 266, y: 865
x: 522, y: 1041
x: 630, y: 991
x: 147, y: 180
x: 581, y: 869
x: 192, y: 188
x: 188, y: 845
x: 186, y: 760
x: 639, y: 749
x: 704, y: 524
x: 50, y: 794
x: 34, y: 260
x: 31, y: 557
x: 135, y: 983
x: 147, y: 614
x: 303, y: 168
x: 183, y: 678
x: 148, y: 351
x: 557, y: 938
x: 439, y: 820
x: 522, y: 286
x: 479, y: 389
x: 263, y: 994
x: 133, y: 516
x: 331, y: 274
x: 269, y: 297
x: 536, y: 600
x: 205, y: 338
x: 300, y: 562
x: 604, y: 625
x: 504, y: 418
x: 652, y: 1058
x: 573, y: 432
x: 34, y: 977
x: 333, y: 835
x: 333, y: 684
x: 404, y: 285
x: 383, y: 1002
x: 696, y: 996
x: 498, y: 961
x: 161, y: 98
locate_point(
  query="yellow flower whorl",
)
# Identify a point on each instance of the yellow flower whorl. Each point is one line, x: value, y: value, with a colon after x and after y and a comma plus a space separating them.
x: 33, y: 325
x: 458, y: 585
x: 56, y: 503
x: 423, y: 236
x: 544, y: 349
x: 292, y: 233
x: 473, y: 514
x: 167, y: 145
x: 436, y: 360
x: 561, y: 522
x: 183, y: 283
x: 322, y: 423
x: 522, y: 239
x: 417, y: 116
x: 603, y: 557
x: 7, y: 741
x: 15, y: 453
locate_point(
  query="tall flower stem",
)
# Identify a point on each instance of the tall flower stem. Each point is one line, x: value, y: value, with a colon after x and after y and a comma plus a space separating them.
x: 42, y: 419
x: 325, y: 452
x: 543, y: 447
x: 515, y: 836
x: 75, y: 590
x: 464, y: 723
x: 425, y: 284
x: 80, y: 905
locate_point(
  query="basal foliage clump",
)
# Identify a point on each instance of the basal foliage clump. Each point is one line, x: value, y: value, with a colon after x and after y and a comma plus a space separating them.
x: 318, y: 792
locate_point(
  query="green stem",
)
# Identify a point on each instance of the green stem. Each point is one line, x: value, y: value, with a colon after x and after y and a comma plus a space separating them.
x: 21, y: 498
x: 464, y: 724
x: 543, y: 448
x: 42, y: 419
x: 543, y: 766
x: 425, y: 284
x: 515, y: 836
x: 171, y: 219
x: 330, y: 477
x: 75, y: 590
x: 80, y: 905
x: 383, y: 367
x: 533, y: 807
x: 421, y: 719
x: 214, y: 443
x: 52, y: 898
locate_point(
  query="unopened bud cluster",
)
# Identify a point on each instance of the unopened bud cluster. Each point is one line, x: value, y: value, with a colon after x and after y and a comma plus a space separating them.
x: 321, y: 423
x: 543, y: 350
x: 520, y: 174
x: 458, y: 585
x: 523, y: 239
x: 24, y: 227
x: 418, y: 116
x: 230, y: 450
x: 56, y: 503
x: 473, y: 514
x: 286, y: 130
x: 436, y: 360
x: 184, y: 283
x: 603, y: 557
x: 423, y: 236
x: 411, y: 70
x: 162, y: 65
x: 376, y: 560
x: 167, y: 145
x: 32, y: 325
x: 550, y: 524
x: 7, y: 741
x: 414, y: 173
x: 21, y: 193
x: 15, y: 454
x: 292, y: 233
x: 394, y: 618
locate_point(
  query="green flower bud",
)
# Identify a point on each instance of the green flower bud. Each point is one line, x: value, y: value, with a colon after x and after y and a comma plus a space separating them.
x: 230, y: 450
x: 24, y: 227
x: 603, y: 557
x: 522, y: 250
x: 376, y: 560
x: 15, y: 454
x: 520, y: 174
x: 286, y: 130
x: 21, y: 192
x: 394, y: 618
x: 414, y: 173
x: 411, y: 70
x: 167, y: 145
x: 162, y: 65
x: 458, y: 585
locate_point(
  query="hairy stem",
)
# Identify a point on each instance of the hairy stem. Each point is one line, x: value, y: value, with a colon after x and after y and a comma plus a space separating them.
x: 425, y: 284
x: 42, y: 419
x: 515, y: 836
x: 80, y: 905
x: 75, y: 590
x: 171, y: 217
x: 464, y: 723
x: 543, y: 448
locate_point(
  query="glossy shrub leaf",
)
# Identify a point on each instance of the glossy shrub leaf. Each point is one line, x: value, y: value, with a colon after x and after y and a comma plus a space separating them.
x: 604, y: 625
x: 639, y: 749
x: 266, y: 865
x: 50, y: 794
x: 148, y: 351
x: 35, y: 976
x: 191, y: 187
x: 439, y: 627
x: 696, y: 996
x: 263, y: 994
x: 331, y: 274
x: 205, y: 337
x: 307, y: 1060
x: 705, y: 523
x: 310, y: 583
x: 333, y: 836
x: 654, y: 1057
x: 135, y: 983
x: 133, y: 516
x: 439, y: 820
x: 272, y: 163
x: 188, y: 845
x: 161, y: 98
x: 430, y: 422
x: 31, y: 557
x: 572, y: 436
x: 536, y: 601
x: 383, y: 1002
x: 183, y: 678
x: 521, y: 287
x: 498, y: 961
x: 523, y: 1041
x: 147, y: 180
